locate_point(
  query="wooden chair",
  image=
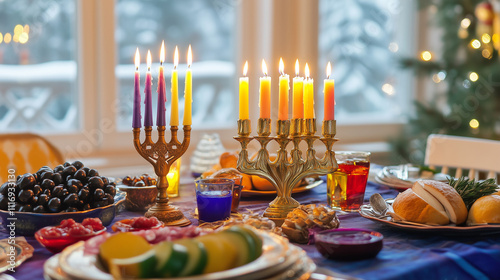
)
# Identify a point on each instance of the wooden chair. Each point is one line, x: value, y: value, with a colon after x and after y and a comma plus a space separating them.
x: 461, y: 153
x: 26, y: 152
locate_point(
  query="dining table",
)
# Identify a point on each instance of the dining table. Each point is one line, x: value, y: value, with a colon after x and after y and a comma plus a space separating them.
x: 405, y: 254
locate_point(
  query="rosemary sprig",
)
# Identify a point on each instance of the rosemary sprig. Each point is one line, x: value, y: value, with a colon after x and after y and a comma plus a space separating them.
x: 471, y: 190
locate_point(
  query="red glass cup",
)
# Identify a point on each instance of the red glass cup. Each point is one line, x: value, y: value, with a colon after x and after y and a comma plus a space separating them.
x: 346, y: 186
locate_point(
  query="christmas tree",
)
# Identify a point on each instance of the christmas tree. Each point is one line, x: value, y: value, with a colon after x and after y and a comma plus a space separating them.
x: 469, y: 66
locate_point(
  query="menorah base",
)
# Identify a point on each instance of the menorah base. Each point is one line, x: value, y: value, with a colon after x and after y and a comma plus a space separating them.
x: 279, y: 208
x: 168, y: 214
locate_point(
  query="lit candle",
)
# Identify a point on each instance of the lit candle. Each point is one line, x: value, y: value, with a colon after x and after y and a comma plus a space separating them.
x: 329, y: 92
x: 284, y: 88
x: 265, y: 94
x: 298, y: 94
x: 136, y: 116
x: 244, y: 115
x: 162, y: 96
x: 188, y: 91
x: 308, y: 96
x: 174, y: 104
x: 148, y: 101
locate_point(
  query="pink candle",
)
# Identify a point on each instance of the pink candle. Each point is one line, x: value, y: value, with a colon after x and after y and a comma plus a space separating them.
x: 148, y: 113
x: 162, y: 95
x: 329, y: 92
x: 136, y: 114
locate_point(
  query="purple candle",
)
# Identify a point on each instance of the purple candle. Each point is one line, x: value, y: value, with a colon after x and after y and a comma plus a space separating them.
x: 136, y: 117
x: 148, y: 119
x: 162, y: 96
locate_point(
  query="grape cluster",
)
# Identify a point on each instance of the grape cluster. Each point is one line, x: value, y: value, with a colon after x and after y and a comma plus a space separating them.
x: 70, y: 187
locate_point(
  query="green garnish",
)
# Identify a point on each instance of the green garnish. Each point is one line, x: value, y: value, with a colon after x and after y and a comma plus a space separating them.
x: 471, y: 190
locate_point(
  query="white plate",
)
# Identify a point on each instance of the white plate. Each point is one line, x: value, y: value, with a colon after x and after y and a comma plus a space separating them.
x: 275, y: 251
x: 403, y: 177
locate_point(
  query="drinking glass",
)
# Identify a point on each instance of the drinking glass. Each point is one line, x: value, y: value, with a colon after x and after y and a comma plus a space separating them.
x: 214, y: 198
x: 346, y: 186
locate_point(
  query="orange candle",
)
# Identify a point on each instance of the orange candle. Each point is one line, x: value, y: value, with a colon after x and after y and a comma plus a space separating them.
x: 265, y: 94
x: 298, y: 94
x: 284, y: 88
x: 244, y: 115
x: 308, y: 96
x: 329, y: 92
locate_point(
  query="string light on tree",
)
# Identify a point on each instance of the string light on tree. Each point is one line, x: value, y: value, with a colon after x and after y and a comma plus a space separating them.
x: 474, y: 124
x: 426, y: 55
x: 473, y: 76
x: 486, y: 38
x: 465, y: 23
x: 388, y: 88
x: 475, y: 44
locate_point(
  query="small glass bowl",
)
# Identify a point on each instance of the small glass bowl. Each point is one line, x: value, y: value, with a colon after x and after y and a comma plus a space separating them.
x: 348, y: 243
x: 57, y: 244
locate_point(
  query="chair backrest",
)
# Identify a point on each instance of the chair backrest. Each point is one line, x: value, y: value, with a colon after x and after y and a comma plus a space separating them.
x: 463, y: 153
x: 26, y: 152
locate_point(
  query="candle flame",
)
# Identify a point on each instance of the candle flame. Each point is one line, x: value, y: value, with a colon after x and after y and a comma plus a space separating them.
x: 190, y: 56
x: 282, y: 66
x: 328, y: 70
x: 245, y: 69
x: 264, y: 67
x: 162, y: 52
x: 297, y: 67
x: 137, y: 59
x: 307, y: 71
x: 176, y: 57
x: 149, y: 60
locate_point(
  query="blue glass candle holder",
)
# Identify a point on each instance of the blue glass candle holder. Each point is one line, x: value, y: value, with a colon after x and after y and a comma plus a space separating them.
x: 214, y: 198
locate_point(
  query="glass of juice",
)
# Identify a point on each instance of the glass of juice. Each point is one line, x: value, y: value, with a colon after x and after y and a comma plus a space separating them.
x: 346, y: 186
x: 214, y: 197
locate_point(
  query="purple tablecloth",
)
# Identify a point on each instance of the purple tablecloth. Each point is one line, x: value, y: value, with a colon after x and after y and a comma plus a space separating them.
x: 405, y: 255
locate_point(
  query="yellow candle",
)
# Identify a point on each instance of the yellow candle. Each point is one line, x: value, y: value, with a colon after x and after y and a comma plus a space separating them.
x: 329, y: 92
x: 265, y: 94
x: 298, y: 94
x: 308, y: 96
x: 174, y: 105
x: 188, y: 91
x: 244, y: 115
x: 284, y: 88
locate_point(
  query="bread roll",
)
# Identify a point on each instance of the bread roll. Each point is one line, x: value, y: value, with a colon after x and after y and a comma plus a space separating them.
x: 448, y: 197
x: 485, y: 210
x: 413, y: 208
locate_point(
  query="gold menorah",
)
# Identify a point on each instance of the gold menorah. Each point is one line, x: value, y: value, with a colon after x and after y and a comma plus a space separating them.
x: 286, y: 172
x: 161, y: 155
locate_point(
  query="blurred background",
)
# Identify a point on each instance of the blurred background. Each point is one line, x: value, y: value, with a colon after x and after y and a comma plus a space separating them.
x: 402, y: 69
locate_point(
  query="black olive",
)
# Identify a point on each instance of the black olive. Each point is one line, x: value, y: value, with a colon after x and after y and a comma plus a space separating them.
x: 69, y: 177
x: 71, y: 200
x: 37, y: 190
x: 57, y: 191
x: 48, y: 184
x: 86, y: 169
x: 58, y: 168
x: 43, y: 199
x: 25, y: 196
x: 140, y: 183
x: 71, y: 209
x: 109, y: 198
x: 37, y: 177
x: 4, y: 189
x: 75, y: 182
x: 72, y: 189
x: 86, y: 207
x: 43, y: 170
x: 64, y: 193
x: 39, y: 209
x: 34, y: 200
x: 69, y: 170
x: 105, y: 180
x: 92, y: 173
x: 78, y: 164
x: 27, y: 181
x: 84, y: 193
x: 47, y: 175
x: 4, y: 202
x: 127, y: 181
x: 57, y: 178
x: 26, y: 208
x: 110, y: 189
x: 95, y: 183
x: 54, y: 204
x: 80, y: 175
x: 98, y: 194
x: 66, y: 164
x: 47, y: 192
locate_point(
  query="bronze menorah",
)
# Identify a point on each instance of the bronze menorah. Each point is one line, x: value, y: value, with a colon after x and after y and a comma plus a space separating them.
x: 286, y: 172
x: 161, y: 155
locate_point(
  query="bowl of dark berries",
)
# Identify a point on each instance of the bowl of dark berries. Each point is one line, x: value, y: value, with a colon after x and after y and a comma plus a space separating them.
x: 68, y: 232
x: 141, y: 192
x: 48, y: 196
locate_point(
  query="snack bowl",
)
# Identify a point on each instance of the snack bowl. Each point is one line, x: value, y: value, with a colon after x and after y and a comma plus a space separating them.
x: 139, y: 198
x: 348, y: 243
